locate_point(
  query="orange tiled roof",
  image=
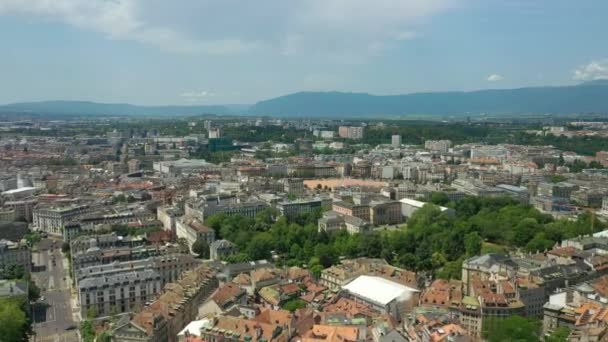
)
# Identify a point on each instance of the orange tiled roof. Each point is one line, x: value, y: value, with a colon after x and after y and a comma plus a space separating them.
x: 169, y: 302
x: 289, y: 289
x: 263, y: 274
x: 279, y: 317
x: 443, y: 292
x: 242, y: 279
x: 227, y: 293
x: 601, y: 286
x: 564, y: 252
x: 256, y: 330
x: 331, y: 333
x: 507, y: 288
x: 296, y: 273
x: 351, y: 308
x: 589, y: 313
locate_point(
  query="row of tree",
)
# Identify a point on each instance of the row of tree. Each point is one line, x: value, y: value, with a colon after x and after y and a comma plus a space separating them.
x: 582, y: 145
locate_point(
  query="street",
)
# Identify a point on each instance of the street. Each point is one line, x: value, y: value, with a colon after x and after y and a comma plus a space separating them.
x: 52, y: 314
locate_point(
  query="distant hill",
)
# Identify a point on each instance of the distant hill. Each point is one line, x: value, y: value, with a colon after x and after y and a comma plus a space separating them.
x: 589, y: 97
x: 585, y: 98
x: 95, y: 109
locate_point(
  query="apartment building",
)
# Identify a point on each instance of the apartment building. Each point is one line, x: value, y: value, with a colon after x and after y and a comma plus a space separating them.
x: 233, y: 329
x: 449, y: 294
x: 222, y: 248
x: 53, y: 219
x: 396, y: 140
x: 361, y: 211
x: 117, y: 293
x: 331, y: 221
x: 169, y: 267
x: 104, y: 241
x: 204, y: 210
x: 169, y: 216
x: 14, y: 253
x: 192, y: 229
x: 337, y: 276
x: 385, y: 213
x: 294, y: 186
x: 294, y: 208
x: 174, y: 307
x: 559, y: 190
x: 350, y: 132
x: 96, y: 256
x: 442, y: 146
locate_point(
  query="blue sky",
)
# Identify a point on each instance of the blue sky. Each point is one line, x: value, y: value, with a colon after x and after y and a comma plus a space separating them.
x: 241, y: 51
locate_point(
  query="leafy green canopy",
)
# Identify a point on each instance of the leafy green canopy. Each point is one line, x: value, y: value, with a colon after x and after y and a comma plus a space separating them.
x: 432, y: 240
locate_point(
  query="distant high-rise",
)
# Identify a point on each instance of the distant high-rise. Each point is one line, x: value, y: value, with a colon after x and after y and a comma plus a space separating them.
x: 396, y: 140
x: 23, y: 181
x: 207, y: 124
x: 350, y: 132
x: 215, y: 133
x: 134, y: 165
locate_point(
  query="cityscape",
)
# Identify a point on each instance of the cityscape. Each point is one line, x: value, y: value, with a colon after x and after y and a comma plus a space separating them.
x: 274, y: 229
x: 135, y: 210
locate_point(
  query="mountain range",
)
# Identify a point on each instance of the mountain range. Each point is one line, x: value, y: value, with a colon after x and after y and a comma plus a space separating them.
x: 589, y: 97
x: 96, y: 109
x: 584, y: 98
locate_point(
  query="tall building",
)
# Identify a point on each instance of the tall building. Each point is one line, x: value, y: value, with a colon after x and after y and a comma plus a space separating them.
x: 134, y: 165
x: 396, y: 140
x: 207, y: 124
x: 350, y: 132
x: 215, y: 133
x: 294, y: 186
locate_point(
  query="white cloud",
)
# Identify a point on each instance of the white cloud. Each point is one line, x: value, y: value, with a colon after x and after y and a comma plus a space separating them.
x: 120, y: 20
x: 405, y: 35
x: 198, y: 94
x: 335, y: 28
x: 596, y: 70
x: 495, y: 78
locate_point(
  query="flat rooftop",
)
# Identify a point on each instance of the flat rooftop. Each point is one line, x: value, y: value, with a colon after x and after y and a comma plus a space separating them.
x: 378, y: 289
